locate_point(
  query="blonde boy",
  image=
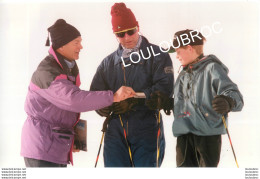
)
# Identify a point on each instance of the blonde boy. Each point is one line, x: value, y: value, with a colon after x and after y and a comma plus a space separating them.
x: 203, y: 93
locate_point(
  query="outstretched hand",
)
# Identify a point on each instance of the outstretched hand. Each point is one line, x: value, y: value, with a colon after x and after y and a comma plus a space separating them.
x: 123, y: 93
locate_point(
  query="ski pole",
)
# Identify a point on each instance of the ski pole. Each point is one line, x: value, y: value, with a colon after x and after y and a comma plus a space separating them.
x: 224, y: 121
x: 129, y: 149
x: 158, y: 140
x: 104, y: 129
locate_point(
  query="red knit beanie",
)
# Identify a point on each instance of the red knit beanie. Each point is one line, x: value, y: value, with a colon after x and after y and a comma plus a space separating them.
x: 122, y: 18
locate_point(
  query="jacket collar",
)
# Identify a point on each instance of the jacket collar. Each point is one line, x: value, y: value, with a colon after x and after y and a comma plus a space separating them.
x: 195, y: 64
x: 52, y: 52
x: 61, y: 61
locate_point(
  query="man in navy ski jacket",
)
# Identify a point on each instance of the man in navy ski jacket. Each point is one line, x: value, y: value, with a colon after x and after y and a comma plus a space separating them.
x: 132, y: 131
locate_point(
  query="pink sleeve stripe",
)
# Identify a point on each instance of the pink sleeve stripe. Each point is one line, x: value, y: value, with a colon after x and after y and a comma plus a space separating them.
x: 33, y: 86
x: 61, y: 76
x: 78, y: 81
x: 51, y: 51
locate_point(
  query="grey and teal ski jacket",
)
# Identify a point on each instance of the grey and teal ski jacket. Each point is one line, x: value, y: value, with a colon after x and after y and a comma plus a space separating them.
x: 194, y: 90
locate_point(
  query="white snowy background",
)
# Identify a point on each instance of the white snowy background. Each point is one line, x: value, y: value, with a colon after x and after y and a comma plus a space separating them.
x: 23, y: 33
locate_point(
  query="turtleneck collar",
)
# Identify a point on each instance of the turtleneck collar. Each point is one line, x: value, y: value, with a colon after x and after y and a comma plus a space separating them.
x: 127, y: 52
x: 69, y: 63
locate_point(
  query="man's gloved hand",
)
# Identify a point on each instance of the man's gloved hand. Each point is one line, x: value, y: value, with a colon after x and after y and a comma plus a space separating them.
x: 124, y: 106
x: 159, y: 100
x: 104, y: 112
x: 222, y: 104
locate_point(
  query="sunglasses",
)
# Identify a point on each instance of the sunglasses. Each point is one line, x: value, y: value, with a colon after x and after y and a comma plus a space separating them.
x: 129, y: 32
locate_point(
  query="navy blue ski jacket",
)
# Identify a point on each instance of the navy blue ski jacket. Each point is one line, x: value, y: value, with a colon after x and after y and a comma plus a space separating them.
x: 150, y: 70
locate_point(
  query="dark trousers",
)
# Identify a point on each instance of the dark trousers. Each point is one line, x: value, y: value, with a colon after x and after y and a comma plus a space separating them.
x: 198, y: 151
x: 141, y: 131
x: 30, y: 162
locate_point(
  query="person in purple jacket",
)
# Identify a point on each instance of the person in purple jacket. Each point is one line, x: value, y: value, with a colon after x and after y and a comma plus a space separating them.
x: 54, y: 101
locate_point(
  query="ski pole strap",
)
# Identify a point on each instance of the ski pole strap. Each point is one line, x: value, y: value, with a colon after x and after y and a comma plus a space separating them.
x: 104, y: 129
x: 105, y: 124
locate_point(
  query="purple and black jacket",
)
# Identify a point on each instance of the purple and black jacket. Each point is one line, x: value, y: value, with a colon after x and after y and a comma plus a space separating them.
x: 53, y: 105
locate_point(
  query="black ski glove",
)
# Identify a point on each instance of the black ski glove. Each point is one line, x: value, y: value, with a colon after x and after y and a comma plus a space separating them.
x: 104, y: 112
x: 223, y: 104
x: 159, y: 100
x: 124, y: 106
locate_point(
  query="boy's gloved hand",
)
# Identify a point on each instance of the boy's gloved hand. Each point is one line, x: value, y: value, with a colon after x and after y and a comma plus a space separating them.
x: 124, y: 106
x: 222, y: 104
x: 159, y: 100
x: 104, y: 112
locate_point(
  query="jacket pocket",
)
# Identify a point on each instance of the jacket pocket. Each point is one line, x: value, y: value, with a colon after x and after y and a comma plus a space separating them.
x: 208, y: 116
x: 204, y: 114
x: 61, y: 145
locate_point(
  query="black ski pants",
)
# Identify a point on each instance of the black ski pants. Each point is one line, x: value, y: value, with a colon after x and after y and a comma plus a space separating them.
x: 198, y: 151
x: 30, y: 162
